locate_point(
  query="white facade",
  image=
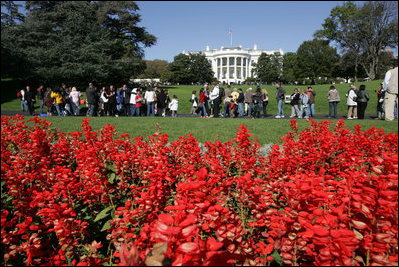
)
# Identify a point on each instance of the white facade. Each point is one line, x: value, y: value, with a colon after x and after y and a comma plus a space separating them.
x: 234, y: 64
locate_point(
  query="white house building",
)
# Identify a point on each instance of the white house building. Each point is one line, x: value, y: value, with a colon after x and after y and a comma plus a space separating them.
x: 234, y: 64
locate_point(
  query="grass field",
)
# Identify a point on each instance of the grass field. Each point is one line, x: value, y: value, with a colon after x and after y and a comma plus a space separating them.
x: 10, y: 87
x: 265, y: 130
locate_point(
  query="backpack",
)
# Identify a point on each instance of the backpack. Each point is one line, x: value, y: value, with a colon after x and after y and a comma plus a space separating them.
x: 19, y: 95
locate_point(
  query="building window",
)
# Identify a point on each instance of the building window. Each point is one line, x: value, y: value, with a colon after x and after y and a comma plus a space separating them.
x: 238, y: 61
x: 244, y: 61
x: 218, y: 61
x: 224, y: 61
x: 231, y: 61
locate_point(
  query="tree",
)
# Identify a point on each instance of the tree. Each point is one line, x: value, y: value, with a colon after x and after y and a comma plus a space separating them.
x: 78, y: 42
x: 289, y: 68
x: 364, y: 31
x: 191, y: 68
x: 13, y: 64
x: 269, y: 67
x: 316, y: 59
x: 154, y: 68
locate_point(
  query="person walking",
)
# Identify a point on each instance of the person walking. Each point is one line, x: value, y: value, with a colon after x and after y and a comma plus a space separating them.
x: 362, y: 99
x: 390, y: 88
x: 351, y: 102
x: 75, y: 96
x: 333, y: 100
x: 132, y: 102
x: 56, y: 95
x: 280, y: 98
x: 174, y: 106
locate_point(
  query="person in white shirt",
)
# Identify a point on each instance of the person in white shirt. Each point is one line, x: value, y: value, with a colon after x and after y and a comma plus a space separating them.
x: 75, y: 97
x: 174, y: 106
x: 149, y: 97
x: 390, y: 87
x: 351, y: 102
x: 214, y: 98
x: 194, y: 100
x: 132, y: 102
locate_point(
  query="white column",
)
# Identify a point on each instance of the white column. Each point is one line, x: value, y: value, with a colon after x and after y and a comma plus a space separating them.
x: 235, y: 69
x: 242, y: 68
x: 228, y: 69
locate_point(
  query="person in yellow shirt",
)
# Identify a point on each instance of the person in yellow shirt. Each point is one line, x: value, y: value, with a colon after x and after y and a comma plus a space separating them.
x: 58, y: 101
x: 234, y: 97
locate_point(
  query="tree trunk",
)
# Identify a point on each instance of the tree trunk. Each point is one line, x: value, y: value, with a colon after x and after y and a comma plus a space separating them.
x: 356, y: 61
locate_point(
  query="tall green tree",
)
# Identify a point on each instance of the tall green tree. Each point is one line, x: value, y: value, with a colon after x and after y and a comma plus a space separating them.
x: 154, y: 68
x: 269, y: 67
x: 81, y: 41
x: 364, y: 31
x: 13, y: 64
x: 289, y: 68
x: 316, y: 58
x: 190, y: 68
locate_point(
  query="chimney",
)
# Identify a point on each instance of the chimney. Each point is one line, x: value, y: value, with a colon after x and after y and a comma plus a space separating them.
x: 207, y: 48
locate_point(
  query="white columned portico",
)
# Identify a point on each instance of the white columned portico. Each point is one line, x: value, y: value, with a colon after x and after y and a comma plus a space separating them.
x: 242, y: 68
x: 235, y: 69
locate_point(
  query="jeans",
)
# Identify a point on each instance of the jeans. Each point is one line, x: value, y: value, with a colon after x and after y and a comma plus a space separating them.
x: 138, y: 113
x: 91, y: 111
x: 280, y: 111
x: 264, y: 105
x: 240, y: 109
x: 249, y: 109
x: 332, y: 106
x: 226, y: 110
x: 301, y: 112
x: 59, y: 109
x: 75, y: 108
x: 311, y: 110
x: 132, y: 110
x: 41, y: 103
x: 295, y: 111
x: 361, y: 108
x: 150, y: 108
x: 24, y: 105
x: 203, y: 110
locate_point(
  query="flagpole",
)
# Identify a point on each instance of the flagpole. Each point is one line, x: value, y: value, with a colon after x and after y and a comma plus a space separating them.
x: 231, y: 38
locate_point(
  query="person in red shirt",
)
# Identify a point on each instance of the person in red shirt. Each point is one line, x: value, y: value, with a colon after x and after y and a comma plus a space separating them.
x: 202, y: 102
x: 139, y: 103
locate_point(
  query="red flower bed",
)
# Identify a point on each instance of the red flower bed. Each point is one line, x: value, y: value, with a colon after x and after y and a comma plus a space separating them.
x: 88, y: 198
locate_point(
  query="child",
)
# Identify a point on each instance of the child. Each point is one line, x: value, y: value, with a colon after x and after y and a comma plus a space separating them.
x: 174, y: 106
x: 139, y: 103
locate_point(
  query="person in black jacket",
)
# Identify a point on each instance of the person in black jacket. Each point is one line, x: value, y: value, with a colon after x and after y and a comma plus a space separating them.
x: 240, y: 101
x: 257, y: 100
x: 161, y: 103
x: 126, y: 99
x: 92, y: 99
x: 30, y: 99
x: 362, y: 99
x: 295, y: 103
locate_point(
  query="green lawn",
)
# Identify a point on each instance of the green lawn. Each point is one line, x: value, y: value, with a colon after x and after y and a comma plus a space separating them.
x: 265, y: 130
x: 10, y: 87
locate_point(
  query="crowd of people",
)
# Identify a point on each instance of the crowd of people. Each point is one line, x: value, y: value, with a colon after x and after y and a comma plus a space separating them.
x: 212, y: 101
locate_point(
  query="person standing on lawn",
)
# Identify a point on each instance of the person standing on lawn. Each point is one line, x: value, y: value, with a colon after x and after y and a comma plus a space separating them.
x: 280, y: 98
x: 390, y: 88
x: 333, y: 100
x: 362, y: 99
